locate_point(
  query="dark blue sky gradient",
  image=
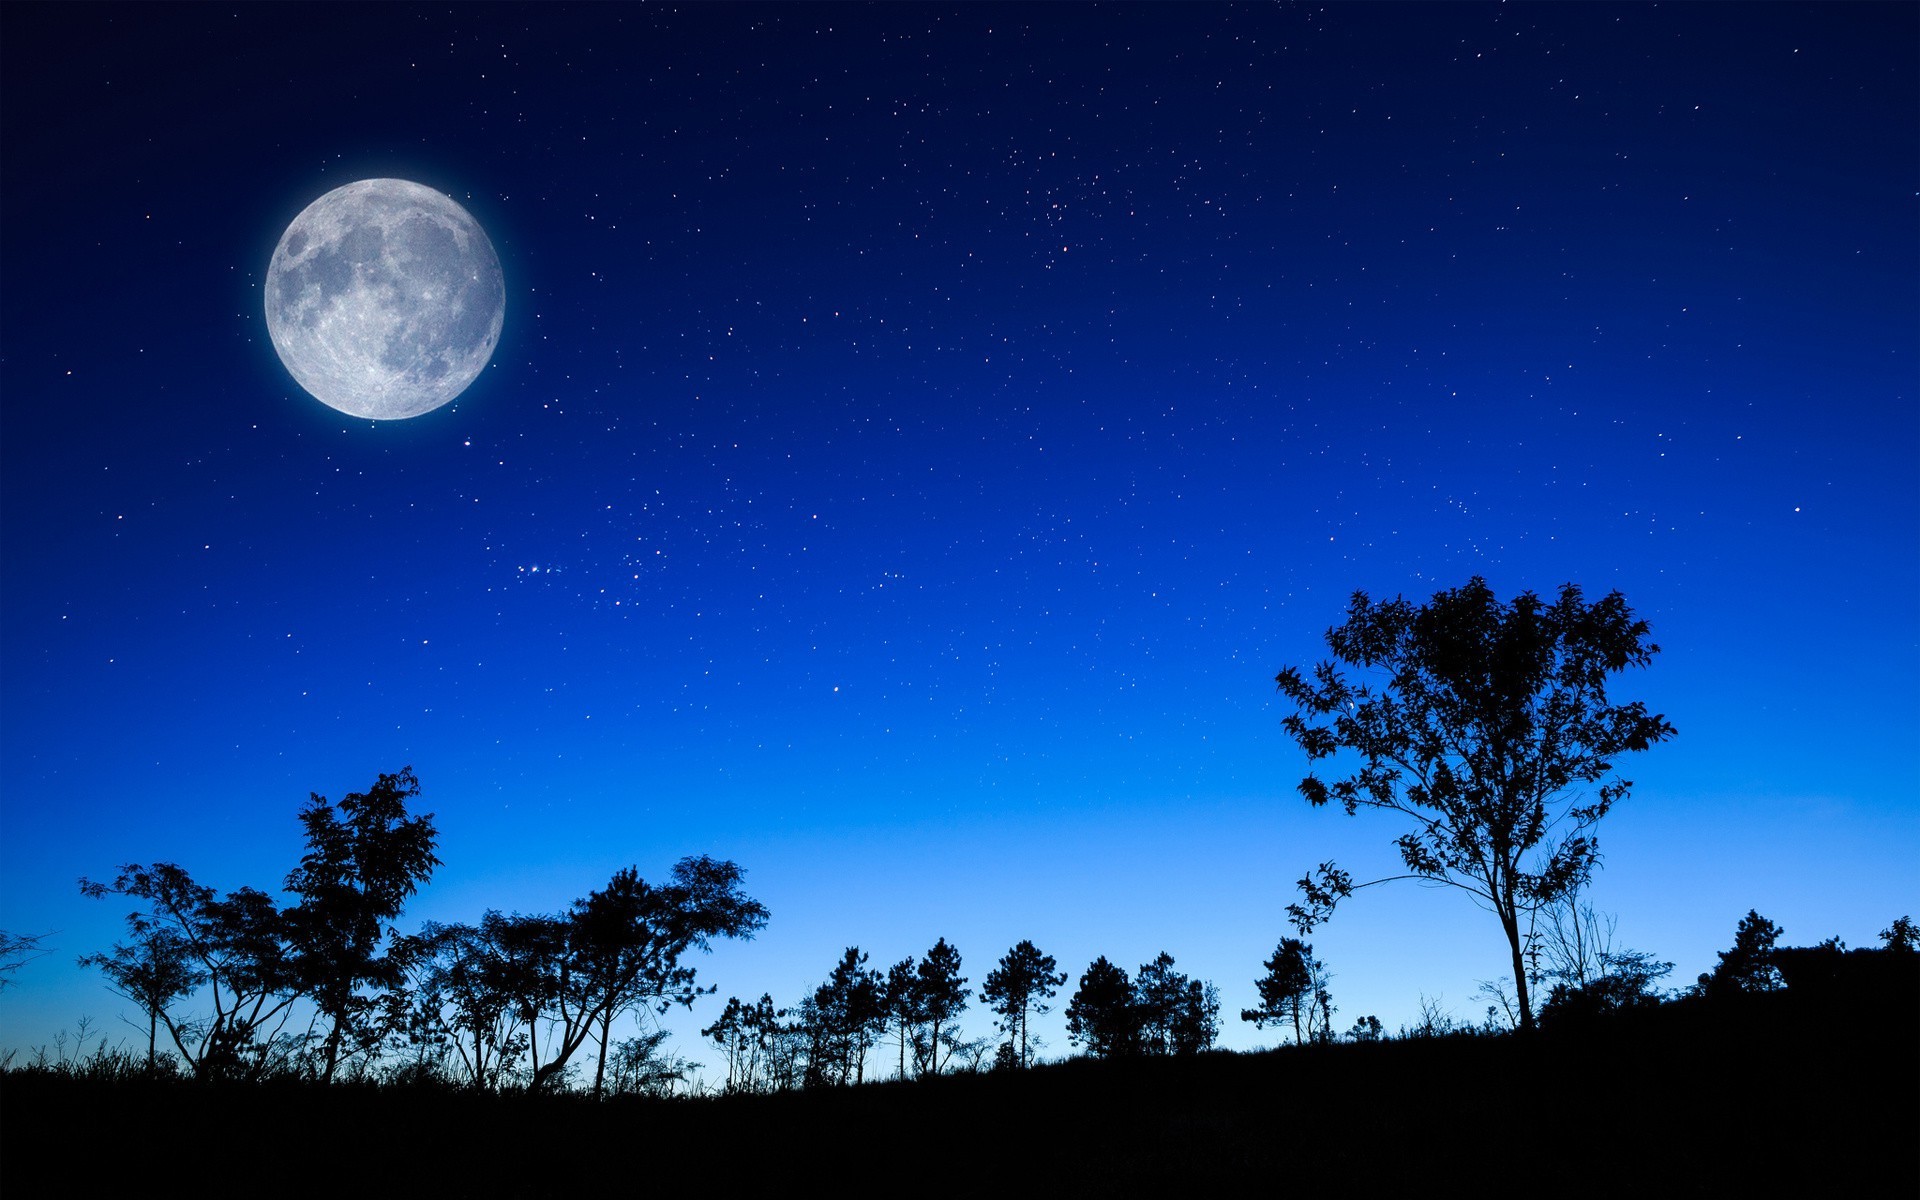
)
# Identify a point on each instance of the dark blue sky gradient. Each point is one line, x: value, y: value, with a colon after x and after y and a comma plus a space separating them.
x: 920, y: 434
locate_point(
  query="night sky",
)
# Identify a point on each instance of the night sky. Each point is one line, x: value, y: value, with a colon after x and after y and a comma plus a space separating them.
x: 919, y: 435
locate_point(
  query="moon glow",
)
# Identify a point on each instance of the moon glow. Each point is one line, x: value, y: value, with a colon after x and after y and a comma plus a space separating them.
x: 384, y: 299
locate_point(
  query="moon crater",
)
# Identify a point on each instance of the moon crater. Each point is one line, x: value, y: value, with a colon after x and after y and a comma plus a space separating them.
x: 384, y: 299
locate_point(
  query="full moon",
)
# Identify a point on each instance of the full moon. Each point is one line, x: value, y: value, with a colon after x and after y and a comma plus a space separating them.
x: 384, y: 299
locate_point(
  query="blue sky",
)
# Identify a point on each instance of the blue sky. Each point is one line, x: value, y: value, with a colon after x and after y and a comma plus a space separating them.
x: 918, y: 437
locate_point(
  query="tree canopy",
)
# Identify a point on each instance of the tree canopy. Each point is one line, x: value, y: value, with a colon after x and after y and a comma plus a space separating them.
x: 1159, y: 1011
x: 364, y: 858
x: 1021, y: 985
x: 621, y: 947
x: 1176, y: 1014
x: 1486, y: 724
x: 1294, y: 989
x: 1746, y: 966
x: 1100, y: 1013
x: 939, y: 997
x: 189, y: 937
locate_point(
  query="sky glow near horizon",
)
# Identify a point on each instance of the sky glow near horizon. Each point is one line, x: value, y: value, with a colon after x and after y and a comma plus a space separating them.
x: 919, y: 435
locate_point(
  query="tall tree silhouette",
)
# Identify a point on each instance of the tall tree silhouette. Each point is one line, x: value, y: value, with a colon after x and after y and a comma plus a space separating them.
x: 532, y: 971
x: 843, y: 1017
x: 1101, y: 1015
x: 1022, y: 984
x: 1490, y: 725
x: 364, y: 859
x: 900, y: 997
x: 1287, y: 990
x: 1018, y: 987
x: 939, y: 998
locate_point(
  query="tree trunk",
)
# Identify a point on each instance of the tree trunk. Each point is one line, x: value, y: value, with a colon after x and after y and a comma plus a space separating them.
x: 1510, y: 922
x: 600, y: 1067
x: 333, y: 1052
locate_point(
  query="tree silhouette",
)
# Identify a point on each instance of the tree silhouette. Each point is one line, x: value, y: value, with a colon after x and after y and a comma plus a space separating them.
x: 238, y: 945
x: 468, y: 983
x: 1100, y: 1014
x: 363, y: 860
x: 532, y: 949
x: 842, y: 1018
x: 1288, y: 990
x: 746, y: 1035
x: 900, y: 997
x: 1491, y: 720
x: 1748, y: 965
x: 1022, y: 984
x: 939, y: 998
x: 621, y: 947
x: 152, y: 971
x: 1901, y: 936
x: 1176, y: 1015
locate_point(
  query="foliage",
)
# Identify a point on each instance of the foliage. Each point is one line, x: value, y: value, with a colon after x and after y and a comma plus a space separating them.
x: 1366, y: 1029
x: 1159, y: 1012
x: 1629, y: 979
x: 1747, y: 966
x: 1176, y: 1014
x: 187, y: 937
x: 473, y: 988
x: 363, y: 860
x: 1100, y: 1013
x: 748, y: 1036
x: 1490, y: 722
x: 152, y: 971
x: 621, y: 946
x: 1294, y: 989
x: 939, y: 997
x: 842, y: 1019
x: 1901, y: 935
x: 541, y: 987
x: 1022, y: 984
